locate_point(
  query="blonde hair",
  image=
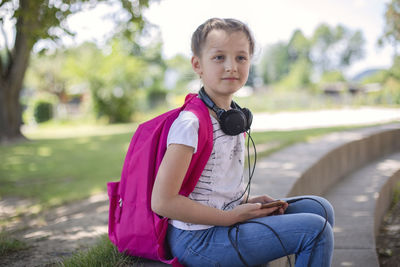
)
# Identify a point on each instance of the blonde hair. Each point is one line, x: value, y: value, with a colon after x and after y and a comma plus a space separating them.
x: 228, y: 25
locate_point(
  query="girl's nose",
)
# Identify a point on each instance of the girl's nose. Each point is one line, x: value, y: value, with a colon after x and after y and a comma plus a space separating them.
x: 230, y: 65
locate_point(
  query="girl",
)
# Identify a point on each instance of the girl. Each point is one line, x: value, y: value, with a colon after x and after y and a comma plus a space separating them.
x: 200, y: 229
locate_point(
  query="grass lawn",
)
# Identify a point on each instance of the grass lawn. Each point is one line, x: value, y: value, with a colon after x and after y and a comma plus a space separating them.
x: 54, y: 168
x: 52, y: 171
x: 61, y: 163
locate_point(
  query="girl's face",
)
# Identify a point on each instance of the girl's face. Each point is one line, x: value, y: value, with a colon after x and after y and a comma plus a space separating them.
x: 224, y: 62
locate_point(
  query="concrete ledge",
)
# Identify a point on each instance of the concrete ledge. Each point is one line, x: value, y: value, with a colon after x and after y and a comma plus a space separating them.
x: 313, y: 167
x: 365, y: 147
x: 385, y: 198
x: 360, y: 202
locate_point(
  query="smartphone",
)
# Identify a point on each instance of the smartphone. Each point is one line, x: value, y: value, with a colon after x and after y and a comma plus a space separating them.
x: 276, y: 203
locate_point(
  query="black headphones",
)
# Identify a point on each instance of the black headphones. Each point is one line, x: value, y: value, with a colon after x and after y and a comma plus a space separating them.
x: 234, y: 121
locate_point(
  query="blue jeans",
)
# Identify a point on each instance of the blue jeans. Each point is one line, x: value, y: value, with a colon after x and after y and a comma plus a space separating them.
x: 297, y: 230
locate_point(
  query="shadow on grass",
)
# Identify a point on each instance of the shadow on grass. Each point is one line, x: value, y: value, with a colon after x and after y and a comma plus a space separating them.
x: 51, y: 172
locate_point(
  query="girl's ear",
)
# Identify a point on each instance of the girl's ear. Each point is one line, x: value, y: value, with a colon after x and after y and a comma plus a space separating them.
x: 196, y: 65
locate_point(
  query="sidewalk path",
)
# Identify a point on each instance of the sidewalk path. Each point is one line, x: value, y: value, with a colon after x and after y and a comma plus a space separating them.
x: 324, y: 118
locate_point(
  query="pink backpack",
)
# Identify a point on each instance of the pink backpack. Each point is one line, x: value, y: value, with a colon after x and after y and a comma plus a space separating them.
x: 133, y: 227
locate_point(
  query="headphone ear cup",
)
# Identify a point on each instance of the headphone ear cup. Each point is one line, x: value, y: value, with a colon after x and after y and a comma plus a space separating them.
x: 233, y: 122
x: 249, y: 117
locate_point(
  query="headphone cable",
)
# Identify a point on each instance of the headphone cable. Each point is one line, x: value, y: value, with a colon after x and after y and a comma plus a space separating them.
x: 251, y: 170
x: 237, y: 225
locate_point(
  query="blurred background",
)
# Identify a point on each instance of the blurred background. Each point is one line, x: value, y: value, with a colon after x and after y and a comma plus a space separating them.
x: 78, y: 76
x: 121, y: 61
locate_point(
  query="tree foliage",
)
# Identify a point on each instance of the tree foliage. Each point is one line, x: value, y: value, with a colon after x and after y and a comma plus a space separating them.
x: 329, y: 49
x: 390, y: 79
x: 115, y: 81
x: 180, y: 73
x: 298, y: 47
x: 45, y: 20
x: 114, y: 78
x: 392, y: 24
x: 335, y: 47
x: 275, y: 63
x: 47, y: 73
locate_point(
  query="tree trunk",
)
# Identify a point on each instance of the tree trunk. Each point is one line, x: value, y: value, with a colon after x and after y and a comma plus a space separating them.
x: 10, y: 111
x: 11, y: 82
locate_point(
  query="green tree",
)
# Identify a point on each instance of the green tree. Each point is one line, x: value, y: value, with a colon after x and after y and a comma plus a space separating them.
x: 156, y: 67
x: 330, y: 49
x: 118, y: 77
x: 298, y: 76
x: 292, y: 58
x: 335, y: 48
x: 275, y: 63
x: 38, y: 20
x: 332, y: 76
x: 252, y: 76
x: 113, y: 77
x: 391, y: 32
x: 46, y: 74
x: 179, y: 73
x: 298, y: 47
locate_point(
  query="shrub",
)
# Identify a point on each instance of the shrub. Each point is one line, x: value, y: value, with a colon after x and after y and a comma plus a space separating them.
x: 43, y: 111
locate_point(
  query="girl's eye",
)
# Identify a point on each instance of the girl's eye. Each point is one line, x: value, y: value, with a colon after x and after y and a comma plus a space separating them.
x: 219, y: 58
x: 241, y: 58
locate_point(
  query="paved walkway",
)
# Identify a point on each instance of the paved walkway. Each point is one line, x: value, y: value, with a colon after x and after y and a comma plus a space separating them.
x: 324, y: 118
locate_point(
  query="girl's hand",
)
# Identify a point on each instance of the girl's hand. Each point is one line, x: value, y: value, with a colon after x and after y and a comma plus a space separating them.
x: 249, y: 211
x: 266, y: 199
x: 261, y: 199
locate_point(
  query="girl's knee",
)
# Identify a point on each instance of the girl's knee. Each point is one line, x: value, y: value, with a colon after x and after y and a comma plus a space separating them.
x: 314, y: 221
x: 328, y: 208
x: 321, y: 203
x: 322, y: 229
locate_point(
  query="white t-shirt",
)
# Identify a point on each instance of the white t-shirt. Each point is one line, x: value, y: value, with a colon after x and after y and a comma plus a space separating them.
x: 222, y: 179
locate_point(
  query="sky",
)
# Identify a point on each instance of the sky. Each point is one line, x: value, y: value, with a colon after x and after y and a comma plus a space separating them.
x: 270, y: 22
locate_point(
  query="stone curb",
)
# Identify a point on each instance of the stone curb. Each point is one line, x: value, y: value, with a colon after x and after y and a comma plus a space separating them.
x: 297, y: 170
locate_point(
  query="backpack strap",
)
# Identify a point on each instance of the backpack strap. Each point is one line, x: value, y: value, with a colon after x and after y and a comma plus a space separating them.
x: 196, y: 166
x: 204, y: 147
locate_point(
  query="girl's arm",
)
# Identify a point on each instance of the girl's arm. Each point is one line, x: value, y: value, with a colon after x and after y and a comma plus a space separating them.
x: 167, y: 202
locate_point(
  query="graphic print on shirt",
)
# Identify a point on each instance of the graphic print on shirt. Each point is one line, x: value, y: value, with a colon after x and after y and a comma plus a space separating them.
x: 222, y: 180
